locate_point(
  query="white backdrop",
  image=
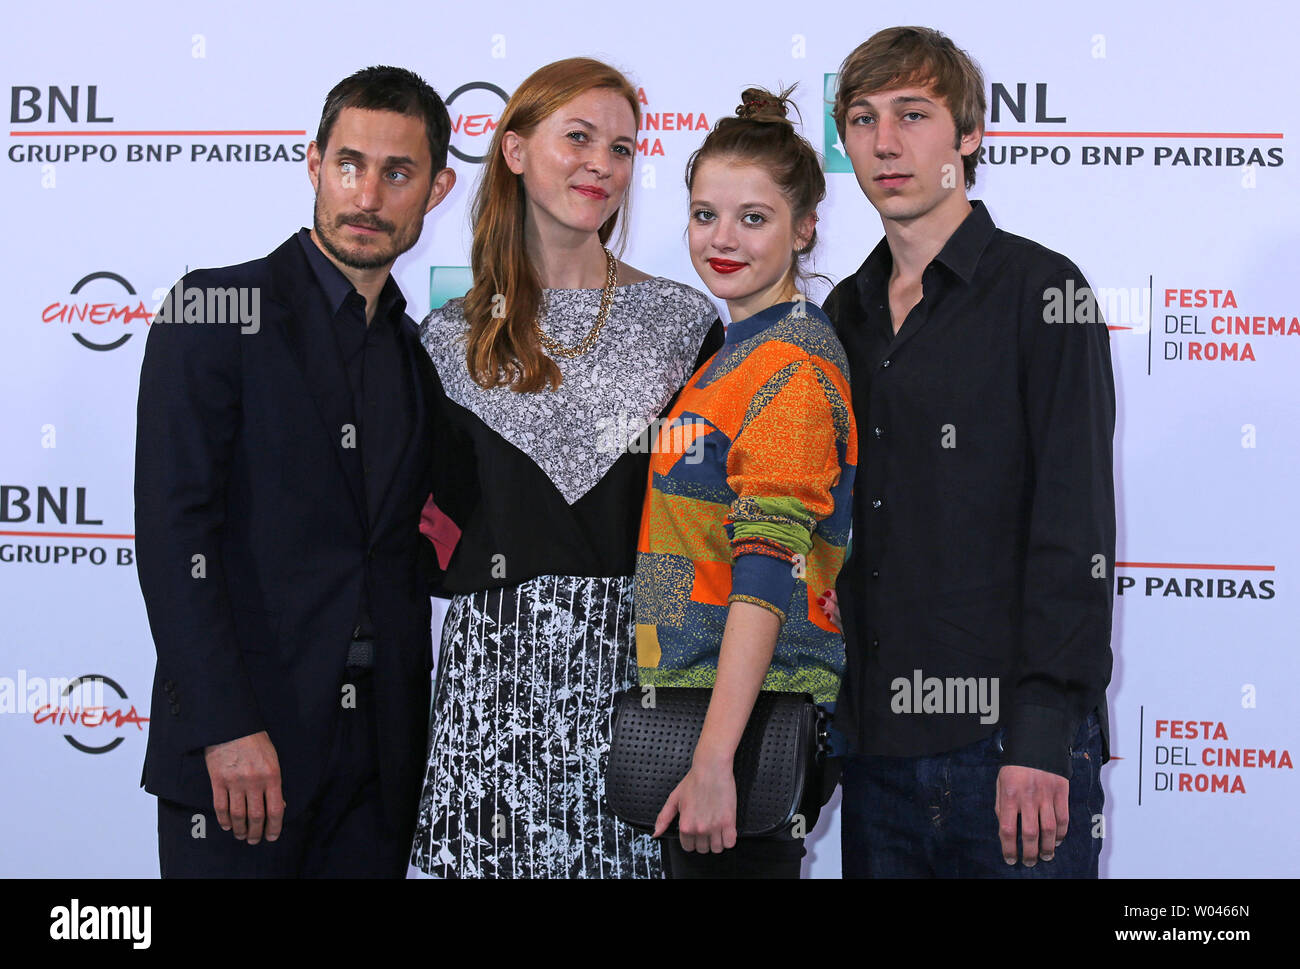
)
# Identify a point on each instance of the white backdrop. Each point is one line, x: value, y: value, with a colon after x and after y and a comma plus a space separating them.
x: 1203, y: 698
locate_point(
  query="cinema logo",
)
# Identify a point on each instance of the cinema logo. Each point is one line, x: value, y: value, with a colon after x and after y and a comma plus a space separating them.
x: 95, y: 723
x: 1200, y: 757
x: 34, y: 507
x: 649, y: 143
x: 1186, y: 580
x: 104, y: 306
x: 1212, y: 325
x: 96, y: 317
x: 475, y: 109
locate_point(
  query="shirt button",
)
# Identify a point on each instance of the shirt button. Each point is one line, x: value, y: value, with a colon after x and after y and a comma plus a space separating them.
x: 875, y: 644
x: 875, y: 573
x: 885, y: 363
x: 876, y: 502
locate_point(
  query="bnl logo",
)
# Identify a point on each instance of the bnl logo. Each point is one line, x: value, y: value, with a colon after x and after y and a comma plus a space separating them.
x: 448, y: 283
x: 1000, y: 97
x: 26, y: 107
x: 836, y: 159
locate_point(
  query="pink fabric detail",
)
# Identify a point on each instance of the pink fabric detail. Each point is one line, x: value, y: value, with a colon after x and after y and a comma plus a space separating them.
x: 440, y: 530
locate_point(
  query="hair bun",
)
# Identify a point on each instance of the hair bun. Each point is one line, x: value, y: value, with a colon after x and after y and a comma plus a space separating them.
x: 758, y: 104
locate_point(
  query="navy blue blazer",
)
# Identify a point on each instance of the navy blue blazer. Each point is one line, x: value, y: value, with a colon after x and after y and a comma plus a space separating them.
x: 242, y: 459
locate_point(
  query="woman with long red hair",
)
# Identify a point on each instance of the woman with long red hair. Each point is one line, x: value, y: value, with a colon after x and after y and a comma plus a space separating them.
x: 555, y: 365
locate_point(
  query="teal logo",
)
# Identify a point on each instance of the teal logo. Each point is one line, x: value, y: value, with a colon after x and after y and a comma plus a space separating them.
x: 837, y: 160
x: 447, y: 283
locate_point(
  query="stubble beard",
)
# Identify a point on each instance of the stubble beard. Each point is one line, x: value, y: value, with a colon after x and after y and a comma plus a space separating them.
x: 400, y: 242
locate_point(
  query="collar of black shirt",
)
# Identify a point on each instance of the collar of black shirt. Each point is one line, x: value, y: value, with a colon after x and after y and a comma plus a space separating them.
x: 337, y: 287
x: 961, y: 253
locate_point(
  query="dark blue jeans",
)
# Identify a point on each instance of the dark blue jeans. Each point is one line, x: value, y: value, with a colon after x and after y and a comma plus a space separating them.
x: 933, y: 817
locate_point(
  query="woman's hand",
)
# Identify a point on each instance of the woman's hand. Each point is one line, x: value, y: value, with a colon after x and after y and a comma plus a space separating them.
x: 706, y: 802
x: 831, y: 607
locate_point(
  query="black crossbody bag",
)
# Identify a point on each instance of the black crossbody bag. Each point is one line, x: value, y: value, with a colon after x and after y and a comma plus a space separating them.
x: 778, y: 764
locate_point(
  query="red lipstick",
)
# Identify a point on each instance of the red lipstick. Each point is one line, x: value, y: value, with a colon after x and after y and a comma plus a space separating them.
x: 592, y: 191
x: 726, y: 266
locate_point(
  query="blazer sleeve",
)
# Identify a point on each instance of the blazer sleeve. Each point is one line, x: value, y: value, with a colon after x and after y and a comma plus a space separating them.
x: 454, y: 482
x: 455, y: 463
x: 712, y: 343
x: 187, y: 426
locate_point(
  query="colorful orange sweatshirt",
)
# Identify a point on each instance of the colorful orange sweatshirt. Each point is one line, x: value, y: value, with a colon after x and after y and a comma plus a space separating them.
x: 751, y: 476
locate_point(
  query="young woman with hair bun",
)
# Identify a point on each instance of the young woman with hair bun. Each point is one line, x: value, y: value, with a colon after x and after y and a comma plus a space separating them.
x: 557, y: 358
x: 747, y: 512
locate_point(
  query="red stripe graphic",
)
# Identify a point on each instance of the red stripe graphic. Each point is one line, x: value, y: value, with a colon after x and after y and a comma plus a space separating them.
x: 1275, y: 135
x: 1191, y: 565
x: 66, y: 535
x: 134, y: 134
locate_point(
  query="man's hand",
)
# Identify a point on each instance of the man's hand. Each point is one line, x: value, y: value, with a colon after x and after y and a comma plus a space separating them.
x: 706, y: 801
x: 1040, y: 800
x: 245, y: 776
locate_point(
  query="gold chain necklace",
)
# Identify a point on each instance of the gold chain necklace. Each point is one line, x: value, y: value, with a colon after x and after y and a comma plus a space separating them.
x: 606, y: 301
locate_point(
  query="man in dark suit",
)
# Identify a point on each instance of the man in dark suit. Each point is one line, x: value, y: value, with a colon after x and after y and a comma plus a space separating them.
x: 286, y: 430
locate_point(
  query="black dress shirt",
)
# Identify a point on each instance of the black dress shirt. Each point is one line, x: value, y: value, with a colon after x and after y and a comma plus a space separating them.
x: 380, y: 376
x: 984, y: 511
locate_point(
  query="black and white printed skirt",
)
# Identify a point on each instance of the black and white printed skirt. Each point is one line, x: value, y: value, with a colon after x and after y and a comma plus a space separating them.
x: 520, y: 728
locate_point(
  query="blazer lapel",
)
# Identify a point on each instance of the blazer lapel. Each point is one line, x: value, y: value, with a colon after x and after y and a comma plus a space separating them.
x: 314, y: 347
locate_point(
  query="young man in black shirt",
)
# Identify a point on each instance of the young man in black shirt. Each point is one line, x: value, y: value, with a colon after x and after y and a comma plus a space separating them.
x: 976, y: 602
